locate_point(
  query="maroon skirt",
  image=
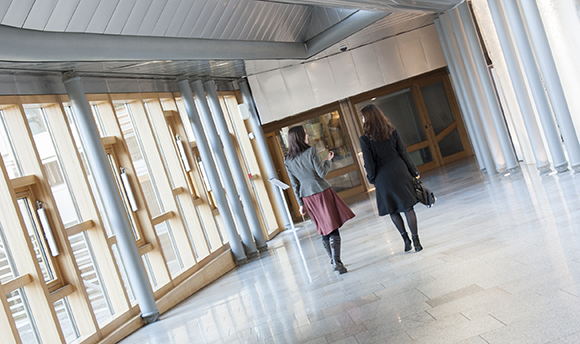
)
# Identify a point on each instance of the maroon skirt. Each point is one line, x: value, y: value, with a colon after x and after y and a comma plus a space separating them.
x: 327, y: 210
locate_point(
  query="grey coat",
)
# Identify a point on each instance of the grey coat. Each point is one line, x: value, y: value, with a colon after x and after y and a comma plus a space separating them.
x: 307, y: 173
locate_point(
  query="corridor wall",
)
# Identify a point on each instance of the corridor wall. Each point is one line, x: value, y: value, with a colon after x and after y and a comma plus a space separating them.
x: 297, y: 88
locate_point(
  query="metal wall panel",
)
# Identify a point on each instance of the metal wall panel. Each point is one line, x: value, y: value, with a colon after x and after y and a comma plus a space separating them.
x: 151, y: 17
x: 4, y: 5
x: 252, y: 12
x: 412, y: 53
x: 276, y: 93
x: 82, y: 16
x: 264, y: 14
x: 239, y: 9
x: 179, y: 18
x: 167, y: 15
x: 8, y: 85
x: 17, y: 13
x: 207, y: 18
x: 345, y: 75
x: 136, y: 17
x: 103, y: 15
x: 39, y: 14
x: 322, y: 81
x: 191, y: 18
x: 390, y: 60
x: 298, y: 86
x: 367, y: 68
x: 259, y: 99
x: 220, y: 17
x: 432, y: 47
x: 120, y: 16
x: 28, y: 84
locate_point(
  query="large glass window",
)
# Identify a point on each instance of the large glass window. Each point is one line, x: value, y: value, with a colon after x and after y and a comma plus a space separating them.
x: 148, y: 185
x: 69, y: 213
x: 17, y: 301
x: 7, y: 150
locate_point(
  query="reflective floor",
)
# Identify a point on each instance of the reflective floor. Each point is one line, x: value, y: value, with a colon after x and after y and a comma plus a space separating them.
x: 501, y: 264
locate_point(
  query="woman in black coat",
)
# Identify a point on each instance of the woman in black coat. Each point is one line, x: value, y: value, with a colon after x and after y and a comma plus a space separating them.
x: 390, y: 168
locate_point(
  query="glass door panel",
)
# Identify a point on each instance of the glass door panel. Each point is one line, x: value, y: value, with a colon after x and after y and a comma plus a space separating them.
x: 437, y: 106
x: 401, y: 109
x: 443, y: 123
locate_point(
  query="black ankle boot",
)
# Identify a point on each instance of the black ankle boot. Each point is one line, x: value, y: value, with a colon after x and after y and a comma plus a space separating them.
x: 326, y: 244
x: 335, y: 248
x: 407, y: 242
x: 417, y: 243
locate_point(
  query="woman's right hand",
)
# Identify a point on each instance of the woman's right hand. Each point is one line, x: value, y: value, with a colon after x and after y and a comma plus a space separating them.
x: 302, y: 210
x: 330, y: 155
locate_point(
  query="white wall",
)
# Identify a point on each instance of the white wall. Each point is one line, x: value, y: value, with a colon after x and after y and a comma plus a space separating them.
x: 291, y: 90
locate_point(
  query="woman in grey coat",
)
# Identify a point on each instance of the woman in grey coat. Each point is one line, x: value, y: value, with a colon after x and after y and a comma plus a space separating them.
x: 327, y: 210
x: 390, y: 168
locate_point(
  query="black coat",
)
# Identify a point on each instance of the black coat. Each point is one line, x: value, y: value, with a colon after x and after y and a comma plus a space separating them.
x: 391, y: 169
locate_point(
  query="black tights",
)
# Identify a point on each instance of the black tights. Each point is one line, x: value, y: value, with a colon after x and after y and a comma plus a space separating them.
x: 411, y: 221
x: 333, y: 233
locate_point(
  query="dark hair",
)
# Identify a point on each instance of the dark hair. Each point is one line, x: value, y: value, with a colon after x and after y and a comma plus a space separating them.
x: 376, y: 126
x: 296, y: 144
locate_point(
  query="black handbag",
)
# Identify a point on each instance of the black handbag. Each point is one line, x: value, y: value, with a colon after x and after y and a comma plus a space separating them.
x: 423, y: 194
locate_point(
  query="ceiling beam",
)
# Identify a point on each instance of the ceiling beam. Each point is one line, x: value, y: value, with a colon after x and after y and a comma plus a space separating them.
x: 23, y: 45
x: 417, y: 6
x: 341, y: 30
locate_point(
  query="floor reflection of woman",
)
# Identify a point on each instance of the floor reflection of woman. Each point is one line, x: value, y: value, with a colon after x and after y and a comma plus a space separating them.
x: 327, y: 210
x: 391, y: 169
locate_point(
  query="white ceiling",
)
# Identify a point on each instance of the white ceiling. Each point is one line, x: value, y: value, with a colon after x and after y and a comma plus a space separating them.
x: 292, y: 21
x: 210, y: 19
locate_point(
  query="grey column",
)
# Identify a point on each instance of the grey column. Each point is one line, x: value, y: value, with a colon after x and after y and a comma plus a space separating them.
x: 536, y: 86
x: 552, y: 80
x: 488, y: 89
x: 263, y: 148
x: 477, y: 108
x: 224, y: 168
x: 466, y: 108
x: 107, y: 187
x: 517, y: 79
x: 211, y: 171
x: 236, y: 167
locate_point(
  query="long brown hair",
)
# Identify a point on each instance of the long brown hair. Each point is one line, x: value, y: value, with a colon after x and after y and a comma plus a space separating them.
x: 376, y: 126
x: 296, y: 144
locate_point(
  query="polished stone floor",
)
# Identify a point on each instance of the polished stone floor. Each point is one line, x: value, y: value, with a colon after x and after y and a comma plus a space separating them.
x: 501, y: 264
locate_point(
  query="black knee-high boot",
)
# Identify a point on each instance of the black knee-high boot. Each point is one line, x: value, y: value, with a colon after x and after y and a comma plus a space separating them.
x: 335, y: 248
x: 326, y: 244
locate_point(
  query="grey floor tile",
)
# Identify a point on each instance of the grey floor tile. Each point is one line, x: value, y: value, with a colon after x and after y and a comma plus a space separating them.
x: 501, y: 264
